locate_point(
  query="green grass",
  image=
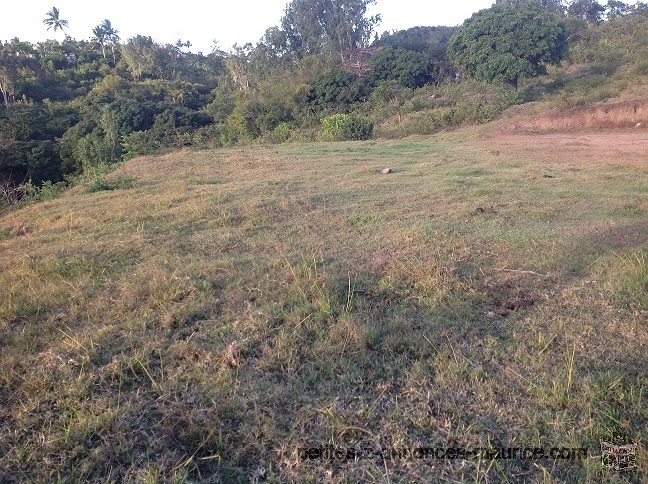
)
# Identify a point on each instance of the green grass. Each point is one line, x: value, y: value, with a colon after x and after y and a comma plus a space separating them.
x: 236, y: 305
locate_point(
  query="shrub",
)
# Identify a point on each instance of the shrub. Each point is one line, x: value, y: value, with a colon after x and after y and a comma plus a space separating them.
x: 94, y: 178
x: 345, y: 127
x: 49, y: 190
x: 280, y: 134
x: 100, y: 183
x: 410, y: 69
x: 357, y: 128
x: 238, y: 128
x: 331, y: 127
x: 336, y: 90
x: 137, y: 143
x: 11, y: 193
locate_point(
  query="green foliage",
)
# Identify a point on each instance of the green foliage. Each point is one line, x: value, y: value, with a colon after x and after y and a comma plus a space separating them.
x: 18, y: 68
x: 27, y: 144
x: 508, y: 42
x: 106, y: 36
x: 280, y: 134
x: 432, y: 41
x: 411, y: 69
x: 345, y: 127
x: 429, y: 110
x: 337, y: 90
x: 554, y: 6
x: 589, y: 10
x: 53, y: 19
x: 69, y: 106
x: 139, y: 56
x: 390, y: 92
x: 224, y: 100
x: 49, y: 190
x: 92, y: 149
x: 95, y: 179
x: 210, y: 136
x: 136, y: 143
x: 622, y: 40
x: 237, y: 127
x: 101, y: 184
x: 66, y: 108
x: 356, y: 128
x: 325, y: 26
x: 332, y: 126
x: 608, y: 60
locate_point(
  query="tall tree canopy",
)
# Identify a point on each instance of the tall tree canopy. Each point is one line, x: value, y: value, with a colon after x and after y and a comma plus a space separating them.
x: 589, y: 10
x: 106, y: 35
x: 54, y: 19
x: 410, y: 68
x: 555, y: 6
x: 508, y: 42
x: 429, y: 40
x: 327, y: 26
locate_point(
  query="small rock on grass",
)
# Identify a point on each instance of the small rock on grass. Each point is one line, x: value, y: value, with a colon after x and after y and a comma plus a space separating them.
x: 386, y: 171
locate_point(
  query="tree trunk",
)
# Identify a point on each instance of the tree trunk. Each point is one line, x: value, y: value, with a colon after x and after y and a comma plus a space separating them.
x: 512, y: 83
x: 3, y: 89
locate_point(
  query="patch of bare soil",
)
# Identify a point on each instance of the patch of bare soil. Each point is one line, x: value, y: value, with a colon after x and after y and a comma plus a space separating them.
x: 628, y: 147
x: 620, y: 115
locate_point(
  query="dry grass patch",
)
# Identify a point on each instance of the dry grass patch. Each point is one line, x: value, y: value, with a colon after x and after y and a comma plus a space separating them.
x: 238, y: 305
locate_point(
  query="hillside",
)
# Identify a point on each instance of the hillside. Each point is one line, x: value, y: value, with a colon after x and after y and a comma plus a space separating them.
x: 230, y: 307
x: 204, y: 280
x: 76, y: 107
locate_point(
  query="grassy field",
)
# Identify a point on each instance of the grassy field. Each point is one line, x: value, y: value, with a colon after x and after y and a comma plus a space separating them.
x: 238, y: 305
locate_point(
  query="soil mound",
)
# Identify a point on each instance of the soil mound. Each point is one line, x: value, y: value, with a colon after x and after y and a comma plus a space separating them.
x: 620, y: 115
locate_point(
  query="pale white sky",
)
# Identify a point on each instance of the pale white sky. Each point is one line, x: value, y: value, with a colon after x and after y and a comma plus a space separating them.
x: 203, y: 21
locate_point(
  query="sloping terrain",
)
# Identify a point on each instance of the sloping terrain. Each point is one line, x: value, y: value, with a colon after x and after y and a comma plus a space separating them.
x: 631, y: 114
x: 238, y: 307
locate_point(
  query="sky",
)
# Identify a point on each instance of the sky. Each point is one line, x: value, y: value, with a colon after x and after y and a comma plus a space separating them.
x: 203, y: 22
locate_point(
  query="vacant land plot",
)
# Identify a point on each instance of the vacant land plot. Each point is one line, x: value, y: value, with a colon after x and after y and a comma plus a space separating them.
x: 239, y: 305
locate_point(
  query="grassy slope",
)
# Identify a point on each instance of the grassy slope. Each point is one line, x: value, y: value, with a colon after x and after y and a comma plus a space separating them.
x: 241, y: 303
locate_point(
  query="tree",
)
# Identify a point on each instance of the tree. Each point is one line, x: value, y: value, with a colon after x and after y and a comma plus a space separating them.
x: 105, y: 35
x: 554, y: 6
x: 640, y: 8
x: 411, y: 69
x: 429, y: 40
x: 327, y: 26
x: 17, y: 63
x: 139, y: 55
x: 54, y: 20
x: 9, y: 69
x: 617, y: 9
x: 508, y: 42
x: 336, y: 90
x: 589, y: 10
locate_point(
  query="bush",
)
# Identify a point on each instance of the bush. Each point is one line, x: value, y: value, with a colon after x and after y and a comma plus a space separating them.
x: 100, y: 183
x: 94, y: 179
x: 49, y: 190
x: 345, y: 127
x: 137, y: 143
x: 280, y: 134
x: 238, y: 128
x: 357, y: 128
x: 332, y: 126
x: 336, y: 90
x: 410, y: 69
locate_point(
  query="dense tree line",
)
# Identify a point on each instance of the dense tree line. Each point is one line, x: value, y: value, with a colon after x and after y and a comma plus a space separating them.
x: 70, y: 105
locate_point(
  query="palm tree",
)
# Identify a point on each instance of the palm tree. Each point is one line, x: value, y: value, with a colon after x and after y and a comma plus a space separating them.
x: 54, y: 20
x: 105, y: 34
